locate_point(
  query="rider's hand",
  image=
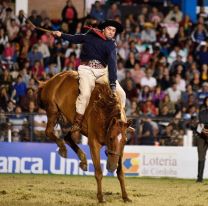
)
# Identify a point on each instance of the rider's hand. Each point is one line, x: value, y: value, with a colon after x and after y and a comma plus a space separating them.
x: 113, y: 88
x: 57, y: 33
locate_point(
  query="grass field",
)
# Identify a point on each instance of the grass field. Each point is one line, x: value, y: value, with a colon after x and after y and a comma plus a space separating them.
x: 55, y: 190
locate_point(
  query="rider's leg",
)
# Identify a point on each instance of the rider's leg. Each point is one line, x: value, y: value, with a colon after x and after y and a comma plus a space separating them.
x: 86, y: 86
x: 121, y: 94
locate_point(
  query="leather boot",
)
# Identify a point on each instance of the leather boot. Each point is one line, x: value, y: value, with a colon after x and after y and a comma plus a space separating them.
x: 200, y: 170
x: 76, y: 127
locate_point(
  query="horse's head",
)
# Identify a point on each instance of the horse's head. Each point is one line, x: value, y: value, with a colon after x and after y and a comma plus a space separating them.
x: 116, y: 139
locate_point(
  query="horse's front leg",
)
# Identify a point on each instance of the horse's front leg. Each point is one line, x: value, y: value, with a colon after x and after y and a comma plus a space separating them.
x: 52, y: 119
x: 95, y: 154
x: 77, y: 150
x: 120, y: 175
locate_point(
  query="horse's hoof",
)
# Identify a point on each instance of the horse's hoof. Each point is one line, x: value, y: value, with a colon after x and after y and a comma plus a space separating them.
x: 63, y: 153
x: 83, y: 166
x: 126, y: 199
x: 102, y: 201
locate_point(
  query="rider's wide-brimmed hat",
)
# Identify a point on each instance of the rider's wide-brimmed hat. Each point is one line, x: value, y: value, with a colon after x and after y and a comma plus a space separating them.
x: 113, y: 23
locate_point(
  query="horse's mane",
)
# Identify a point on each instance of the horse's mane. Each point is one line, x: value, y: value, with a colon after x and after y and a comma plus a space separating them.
x: 109, y: 104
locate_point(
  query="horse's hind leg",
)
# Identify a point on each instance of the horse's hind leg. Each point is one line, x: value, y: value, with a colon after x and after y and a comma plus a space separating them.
x: 120, y: 175
x: 52, y: 120
x: 77, y: 150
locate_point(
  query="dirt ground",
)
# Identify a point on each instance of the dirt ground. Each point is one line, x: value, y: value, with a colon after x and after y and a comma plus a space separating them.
x: 55, y: 190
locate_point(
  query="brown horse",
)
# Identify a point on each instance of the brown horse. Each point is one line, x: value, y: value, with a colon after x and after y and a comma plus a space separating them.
x: 104, y: 124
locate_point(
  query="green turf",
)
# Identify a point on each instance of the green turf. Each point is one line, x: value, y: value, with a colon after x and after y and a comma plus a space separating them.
x: 55, y: 190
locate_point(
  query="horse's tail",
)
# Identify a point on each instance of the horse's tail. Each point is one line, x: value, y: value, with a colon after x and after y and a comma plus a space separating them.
x: 41, y: 85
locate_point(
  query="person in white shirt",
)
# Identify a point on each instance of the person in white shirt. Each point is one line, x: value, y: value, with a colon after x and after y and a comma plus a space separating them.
x: 148, y: 80
x: 174, y: 93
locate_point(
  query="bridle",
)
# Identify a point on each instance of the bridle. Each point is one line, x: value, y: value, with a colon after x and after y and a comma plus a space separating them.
x: 111, y: 152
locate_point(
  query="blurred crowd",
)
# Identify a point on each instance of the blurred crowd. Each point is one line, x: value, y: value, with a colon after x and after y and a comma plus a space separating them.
x: 162, y: 64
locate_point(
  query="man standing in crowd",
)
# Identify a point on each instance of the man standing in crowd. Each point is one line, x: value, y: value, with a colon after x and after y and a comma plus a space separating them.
x: 202, y: 140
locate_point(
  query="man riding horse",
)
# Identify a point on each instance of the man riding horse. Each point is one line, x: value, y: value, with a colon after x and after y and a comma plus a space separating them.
x: 98, y: 64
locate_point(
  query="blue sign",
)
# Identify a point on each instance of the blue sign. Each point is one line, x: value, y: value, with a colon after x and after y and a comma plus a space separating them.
x: 43, y: 158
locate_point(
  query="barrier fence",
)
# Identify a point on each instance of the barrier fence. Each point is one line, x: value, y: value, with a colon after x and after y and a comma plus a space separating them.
x: 30, y: 127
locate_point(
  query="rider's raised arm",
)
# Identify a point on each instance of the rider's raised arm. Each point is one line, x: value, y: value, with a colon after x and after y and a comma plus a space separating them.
x: 76, y: 39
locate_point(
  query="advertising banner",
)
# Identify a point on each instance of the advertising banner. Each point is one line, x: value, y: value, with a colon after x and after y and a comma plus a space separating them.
x: 43, y: 158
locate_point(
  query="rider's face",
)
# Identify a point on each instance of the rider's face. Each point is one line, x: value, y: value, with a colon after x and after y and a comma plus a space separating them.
x: 109, y: 32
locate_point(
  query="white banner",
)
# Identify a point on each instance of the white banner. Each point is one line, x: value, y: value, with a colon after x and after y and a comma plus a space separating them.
x: 179, y: 162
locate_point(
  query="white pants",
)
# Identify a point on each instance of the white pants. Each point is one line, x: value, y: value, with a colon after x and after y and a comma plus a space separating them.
x: 87, y: 79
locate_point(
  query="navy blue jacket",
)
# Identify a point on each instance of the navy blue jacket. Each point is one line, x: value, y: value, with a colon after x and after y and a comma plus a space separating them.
x: 95, y: 48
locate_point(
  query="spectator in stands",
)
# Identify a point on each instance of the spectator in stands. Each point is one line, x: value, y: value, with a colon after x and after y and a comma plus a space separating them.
x: 69, y: 15
x: 35, y: 18
x: 38, y: 71
x: 195, y: 82
x: 148, y: 108
x: 120, y: 71
x: 202, y: 93
x: 131, y: 91
x: 157, y: 95
x: 113, y: 11
x: 3, y: 126
x: 145, y: 57
x: 34, y: 55
x: 134, y: 109
x: 4, y: 97
x: 180, y: 82
x: 164, y: 82
x: 167, y: 102
x: 149, y: 80
x: 40, y: 122
x: 146, y: 136
x: 199, y: 34
x: 97, y: 12
x: 11, y: 104
x: 25, y: 100
x: 202, y: 54
x: 12, y: 29
x: 145, y: 94
x: 18, y: 123
x: 9, y: 53
x: 204, y: 73
x: 181, y: 37
x: 155, y: 16
x: 148, y: 35
x: 174, y: 13
x: 25, y: 75
x: 43, y: 48
x: 190, y: 71
x: 176, y: 136
x: 174, y: 93
x: 137, y: 73
x: 19, y: 89
x: 131, y: 60
x: 186, y: 94
x: 3, y: 39
x: 25, y: 44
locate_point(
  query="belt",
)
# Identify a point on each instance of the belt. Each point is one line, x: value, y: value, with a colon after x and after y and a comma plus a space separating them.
x: 95, y: 64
